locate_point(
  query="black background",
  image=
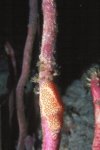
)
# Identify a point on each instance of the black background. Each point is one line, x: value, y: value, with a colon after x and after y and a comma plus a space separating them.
x: 78, y: 40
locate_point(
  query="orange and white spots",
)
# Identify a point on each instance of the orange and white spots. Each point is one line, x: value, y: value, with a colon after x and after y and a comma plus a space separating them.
x: 51, y: 105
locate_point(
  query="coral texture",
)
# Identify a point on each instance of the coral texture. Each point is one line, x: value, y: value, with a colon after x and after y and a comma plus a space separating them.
x: 47, y: 62
x: 93, y: 76
x: 51, y: 106
x: 51, y: 112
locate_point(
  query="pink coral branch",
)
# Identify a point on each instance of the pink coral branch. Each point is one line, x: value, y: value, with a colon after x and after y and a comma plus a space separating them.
x: 48, y: 40
x: 95, y: 89
x: 93, y: 76
x: 51, y: 106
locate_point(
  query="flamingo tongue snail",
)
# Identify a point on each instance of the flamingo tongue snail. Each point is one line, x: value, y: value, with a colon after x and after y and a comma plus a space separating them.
x: 51, y: 113
x: 51, y: 107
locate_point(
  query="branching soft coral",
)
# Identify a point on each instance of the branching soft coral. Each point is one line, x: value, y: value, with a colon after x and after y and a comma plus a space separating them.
x: 92, y: 80
x: 51, y: 106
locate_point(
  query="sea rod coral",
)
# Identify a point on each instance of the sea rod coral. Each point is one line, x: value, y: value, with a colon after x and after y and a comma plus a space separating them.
x: 51, y: 106
x: 92, y: 80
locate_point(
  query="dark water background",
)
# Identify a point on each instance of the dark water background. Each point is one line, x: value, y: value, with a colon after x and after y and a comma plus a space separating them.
x: 77, y: 47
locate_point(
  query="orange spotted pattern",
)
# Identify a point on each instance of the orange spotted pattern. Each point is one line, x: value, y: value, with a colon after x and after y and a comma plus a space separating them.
x: 51, y: 105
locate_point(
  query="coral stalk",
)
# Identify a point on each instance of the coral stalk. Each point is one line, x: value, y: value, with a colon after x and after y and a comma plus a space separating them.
x: 93, y: 76
x: 47, y: 61
x: 13, y: 76
x: 95, y: 89
x: 10, y: 52
x: 51, y: 106
x: 32, y: 27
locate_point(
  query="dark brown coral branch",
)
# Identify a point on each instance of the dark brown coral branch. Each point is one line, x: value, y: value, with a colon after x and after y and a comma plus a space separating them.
x: 25, y: 73
x: 10, y: 52
x: 12, y: 78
